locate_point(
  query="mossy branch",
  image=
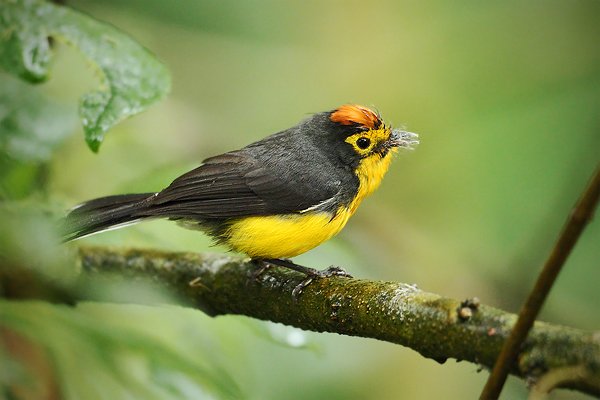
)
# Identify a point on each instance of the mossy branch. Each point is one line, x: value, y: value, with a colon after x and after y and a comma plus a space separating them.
x: 435, y: 326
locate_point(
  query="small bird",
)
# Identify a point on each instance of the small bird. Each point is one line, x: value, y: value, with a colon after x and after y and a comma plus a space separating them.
x: 273, y: 199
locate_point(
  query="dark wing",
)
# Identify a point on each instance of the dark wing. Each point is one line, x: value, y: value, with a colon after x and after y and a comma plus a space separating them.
x: 237, y: 184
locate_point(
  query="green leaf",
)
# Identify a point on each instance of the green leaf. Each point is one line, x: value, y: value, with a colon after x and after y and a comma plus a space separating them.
x: 131, y: 77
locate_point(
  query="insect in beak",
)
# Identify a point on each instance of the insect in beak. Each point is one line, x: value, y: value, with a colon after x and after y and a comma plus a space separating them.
x: 400, y: 138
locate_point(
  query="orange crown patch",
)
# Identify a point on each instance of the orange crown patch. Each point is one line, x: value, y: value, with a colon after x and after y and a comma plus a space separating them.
x: 349, y: 114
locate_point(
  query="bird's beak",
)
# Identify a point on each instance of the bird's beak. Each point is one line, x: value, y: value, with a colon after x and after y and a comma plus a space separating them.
x: 400, y: 138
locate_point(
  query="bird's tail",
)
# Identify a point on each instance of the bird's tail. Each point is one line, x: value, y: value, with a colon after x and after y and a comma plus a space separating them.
x: 104, y: 213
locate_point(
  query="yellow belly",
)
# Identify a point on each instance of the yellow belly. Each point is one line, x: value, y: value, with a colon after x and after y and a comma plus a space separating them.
x: 284, y: 236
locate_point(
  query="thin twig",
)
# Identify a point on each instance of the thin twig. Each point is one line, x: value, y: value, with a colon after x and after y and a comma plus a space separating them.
x: 577, y: 221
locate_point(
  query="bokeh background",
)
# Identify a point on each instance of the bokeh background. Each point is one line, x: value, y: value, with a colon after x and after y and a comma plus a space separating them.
x: 505, y: 97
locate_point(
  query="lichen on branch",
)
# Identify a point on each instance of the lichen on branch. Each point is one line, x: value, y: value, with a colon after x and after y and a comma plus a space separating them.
x: 435, y: 326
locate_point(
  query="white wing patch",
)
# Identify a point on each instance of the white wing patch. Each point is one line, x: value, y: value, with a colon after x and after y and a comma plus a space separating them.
x: 321, y: 204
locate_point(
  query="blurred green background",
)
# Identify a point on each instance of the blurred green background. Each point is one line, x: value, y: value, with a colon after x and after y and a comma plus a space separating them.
x: 505, y: 96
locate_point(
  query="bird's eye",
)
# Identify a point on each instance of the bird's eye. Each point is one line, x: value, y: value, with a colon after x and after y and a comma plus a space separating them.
x: 363, y: 142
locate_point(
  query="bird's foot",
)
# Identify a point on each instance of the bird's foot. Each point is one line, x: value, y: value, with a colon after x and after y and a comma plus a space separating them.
x: 311, y: 273
x: 334, y: 270
x: 261, y: 267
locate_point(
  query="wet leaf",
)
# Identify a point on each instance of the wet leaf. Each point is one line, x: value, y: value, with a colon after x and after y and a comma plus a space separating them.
x: 131, y: 77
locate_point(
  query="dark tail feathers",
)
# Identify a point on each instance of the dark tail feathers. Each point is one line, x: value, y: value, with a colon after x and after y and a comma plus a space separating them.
x: 101, y: 214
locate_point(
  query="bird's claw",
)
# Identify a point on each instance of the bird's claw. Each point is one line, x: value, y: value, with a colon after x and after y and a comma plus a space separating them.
x: 260, y: 269
x: 300, y: 287
x: 334, y: 270
x: 318, y: 274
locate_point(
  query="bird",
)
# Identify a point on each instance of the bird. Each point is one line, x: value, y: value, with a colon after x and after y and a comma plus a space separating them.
x: 273, y: 199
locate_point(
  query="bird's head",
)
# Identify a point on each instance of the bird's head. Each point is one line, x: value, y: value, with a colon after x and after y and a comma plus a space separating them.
x: 365, y: 143
x: 367, y: 134
x: 359, y: 134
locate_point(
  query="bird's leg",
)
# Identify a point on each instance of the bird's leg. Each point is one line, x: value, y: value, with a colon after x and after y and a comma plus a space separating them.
x: 311, y: 273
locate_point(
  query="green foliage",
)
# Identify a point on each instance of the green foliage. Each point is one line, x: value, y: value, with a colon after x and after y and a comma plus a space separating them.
x: 31, y: 127
x: 114, y: 352
x: 97, y: 351
x: 131, y: 77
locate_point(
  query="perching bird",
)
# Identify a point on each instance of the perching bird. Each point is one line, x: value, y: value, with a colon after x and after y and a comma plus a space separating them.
x: 273, y: 199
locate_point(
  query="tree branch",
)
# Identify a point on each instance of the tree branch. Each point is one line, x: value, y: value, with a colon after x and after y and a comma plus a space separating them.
x: 437, y: 327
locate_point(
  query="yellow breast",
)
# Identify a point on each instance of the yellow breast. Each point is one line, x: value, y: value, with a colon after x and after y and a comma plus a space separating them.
x: 370, y: 172
x: 283, y: 236
x: 286, y: 236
